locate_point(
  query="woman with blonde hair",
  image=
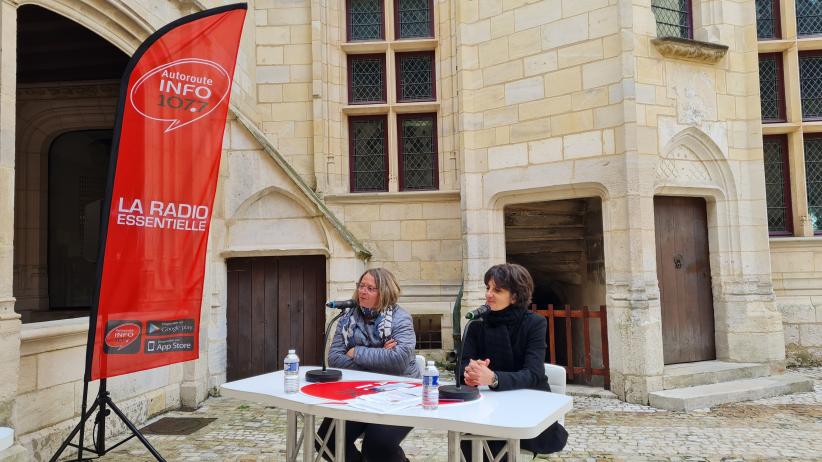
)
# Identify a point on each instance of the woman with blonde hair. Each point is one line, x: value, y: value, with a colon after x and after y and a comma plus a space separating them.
x: 376, y: 336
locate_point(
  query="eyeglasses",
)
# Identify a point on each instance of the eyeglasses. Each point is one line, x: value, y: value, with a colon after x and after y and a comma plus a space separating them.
x: 367, y: 288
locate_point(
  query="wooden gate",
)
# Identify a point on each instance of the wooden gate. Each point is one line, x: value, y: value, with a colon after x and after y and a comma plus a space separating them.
x: 274, y: 303
x: 684, y: 275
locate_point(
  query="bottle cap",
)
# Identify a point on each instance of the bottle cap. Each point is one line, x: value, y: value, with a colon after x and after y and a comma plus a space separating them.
x: 291, y: 352
x: 431, y: 363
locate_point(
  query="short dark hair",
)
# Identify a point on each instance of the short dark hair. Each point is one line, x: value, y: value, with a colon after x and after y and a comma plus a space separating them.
x: 515, y: 279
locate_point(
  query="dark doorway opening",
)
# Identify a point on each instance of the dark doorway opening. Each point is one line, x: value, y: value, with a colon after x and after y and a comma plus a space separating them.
x: 561, y: 244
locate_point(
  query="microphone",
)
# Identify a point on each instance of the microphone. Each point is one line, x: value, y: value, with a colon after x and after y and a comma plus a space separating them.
x: 341, y: 304
x: 325, y: 374
x: 458, y: 391
x: 478, y: 312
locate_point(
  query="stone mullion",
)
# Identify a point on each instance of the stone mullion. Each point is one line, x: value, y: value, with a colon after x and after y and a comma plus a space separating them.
x: 787, y: 12
x: 799, y: 196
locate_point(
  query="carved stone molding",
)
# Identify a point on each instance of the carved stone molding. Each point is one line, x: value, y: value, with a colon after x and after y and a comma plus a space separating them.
x: 690, y: 50
x: 88, y: 89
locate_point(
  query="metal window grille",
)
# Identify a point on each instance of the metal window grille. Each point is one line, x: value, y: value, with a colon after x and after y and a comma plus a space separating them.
x: 367, y: 79
x: 416, y: 77
x: 776, y: 190
x: 414, y: 18
x: 770, y: 87
x: 808, y: 17
x: 428, y: 329
x: 813, y: 180
x: 418, y: 154
x: 673, y: 18
x: 369, y: 166
x: 365, y: 20
x: 767, y: 19
x: 810, y: 83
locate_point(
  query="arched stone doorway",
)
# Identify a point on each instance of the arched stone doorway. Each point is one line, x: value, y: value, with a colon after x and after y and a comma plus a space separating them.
x: 67, y: 86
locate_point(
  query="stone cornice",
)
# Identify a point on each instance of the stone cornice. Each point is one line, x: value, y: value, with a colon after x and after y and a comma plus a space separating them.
x: 87, y: 89
x: 690, y: 50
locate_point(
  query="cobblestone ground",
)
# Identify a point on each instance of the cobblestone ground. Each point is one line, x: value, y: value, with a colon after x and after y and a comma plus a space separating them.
x: 601, y: 429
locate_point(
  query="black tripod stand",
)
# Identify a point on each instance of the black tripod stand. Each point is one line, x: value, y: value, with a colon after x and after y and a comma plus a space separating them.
x: 100, y: 404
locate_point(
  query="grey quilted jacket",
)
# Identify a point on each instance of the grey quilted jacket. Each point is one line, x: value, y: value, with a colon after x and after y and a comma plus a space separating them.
x: 369, y: 354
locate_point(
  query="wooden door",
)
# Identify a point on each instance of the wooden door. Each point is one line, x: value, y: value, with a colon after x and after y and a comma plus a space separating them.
x: 274, y: 303
x: 684, y: 275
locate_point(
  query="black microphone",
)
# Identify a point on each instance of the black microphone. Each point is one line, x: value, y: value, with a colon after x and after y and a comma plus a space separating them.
x: 478, y: 312
x: 341, y: 304
x: 458, y: 391
x: 325, y: 374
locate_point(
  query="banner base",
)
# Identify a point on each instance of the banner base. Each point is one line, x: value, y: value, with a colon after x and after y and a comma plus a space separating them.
x: 102, y: 400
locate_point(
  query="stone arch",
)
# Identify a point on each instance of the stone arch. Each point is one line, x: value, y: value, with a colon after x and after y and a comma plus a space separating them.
x: 275, y: 221
x: 116, y: 22
x: 691, y: 158
x: 691, y: 164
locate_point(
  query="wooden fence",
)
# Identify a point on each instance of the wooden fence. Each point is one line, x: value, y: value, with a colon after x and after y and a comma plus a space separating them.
x: 585, y: 314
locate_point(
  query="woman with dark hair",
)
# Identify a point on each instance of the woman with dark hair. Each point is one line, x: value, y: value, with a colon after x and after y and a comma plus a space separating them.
x: 377, y: 336
x: 507, y: 350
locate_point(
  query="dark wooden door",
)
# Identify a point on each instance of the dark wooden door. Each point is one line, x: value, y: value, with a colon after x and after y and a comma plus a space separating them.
x: 274, y: 303
x: 684, y: 274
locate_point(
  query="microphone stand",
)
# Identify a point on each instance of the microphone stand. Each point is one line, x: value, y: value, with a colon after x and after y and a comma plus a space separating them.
x: 459, y: 392
x: 325, y: 375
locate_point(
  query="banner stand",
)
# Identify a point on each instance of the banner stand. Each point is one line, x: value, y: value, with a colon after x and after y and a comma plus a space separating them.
x: 99, y: 433
x: 162, y: 179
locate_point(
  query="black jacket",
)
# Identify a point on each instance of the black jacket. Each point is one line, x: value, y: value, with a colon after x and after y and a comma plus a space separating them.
x: 524, y: 365
x: 514, y: 339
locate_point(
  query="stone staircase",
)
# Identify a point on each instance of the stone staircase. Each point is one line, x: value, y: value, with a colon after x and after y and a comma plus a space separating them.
x: 709, y: 383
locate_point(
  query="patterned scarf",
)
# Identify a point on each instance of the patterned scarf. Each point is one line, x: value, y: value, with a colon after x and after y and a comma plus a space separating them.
x: 383, y: 322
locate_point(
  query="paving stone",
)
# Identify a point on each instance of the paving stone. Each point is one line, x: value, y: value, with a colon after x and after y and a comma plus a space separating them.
x: 780, y: 428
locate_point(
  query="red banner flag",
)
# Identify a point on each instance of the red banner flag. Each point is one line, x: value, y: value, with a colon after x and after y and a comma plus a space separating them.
x: 162, y: 180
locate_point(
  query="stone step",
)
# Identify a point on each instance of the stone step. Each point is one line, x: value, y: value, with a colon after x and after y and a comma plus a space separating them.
x: 704, y: 396
x: 707, y: 372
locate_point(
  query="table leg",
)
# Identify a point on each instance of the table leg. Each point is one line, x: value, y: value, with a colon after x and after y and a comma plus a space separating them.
x: 454, y: 452
x: 291, y: 436
x: 513, y: 450
x: 476, y: 450
x: 308, y: 437
x: 339, y: 440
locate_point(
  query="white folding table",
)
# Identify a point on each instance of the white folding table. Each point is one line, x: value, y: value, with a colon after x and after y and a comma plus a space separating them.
x: 507, y: 415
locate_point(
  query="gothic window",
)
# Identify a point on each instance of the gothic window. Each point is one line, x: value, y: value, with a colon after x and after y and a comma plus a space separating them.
x: 813, y: 180
x: 771, y: 89
x: 368, y: 148
x: 767, y: 19
x: 673, y: 18
x: 364, y: 20
x: 366, y: 79
x: 417, y: 136
x: 414, y: 18
x: 808, y: 17
x: 415, y: 77
x: 810, y: 83
x: 777, y: 184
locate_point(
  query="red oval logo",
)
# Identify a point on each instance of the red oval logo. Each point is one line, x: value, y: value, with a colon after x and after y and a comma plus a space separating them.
x: 122, y: 335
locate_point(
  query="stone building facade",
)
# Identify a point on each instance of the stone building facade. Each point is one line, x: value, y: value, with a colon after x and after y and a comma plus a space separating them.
x: 788, y: 50
x: 435, y: 138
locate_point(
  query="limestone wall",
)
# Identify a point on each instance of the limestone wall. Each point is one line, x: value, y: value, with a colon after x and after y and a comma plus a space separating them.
x: 797, y: 272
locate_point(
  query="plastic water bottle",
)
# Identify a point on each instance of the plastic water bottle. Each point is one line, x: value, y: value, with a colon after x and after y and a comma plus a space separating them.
x: 430, y: 386
x: 291, y: 371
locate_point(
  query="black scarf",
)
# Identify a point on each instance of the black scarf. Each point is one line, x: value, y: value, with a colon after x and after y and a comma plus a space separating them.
x: 500, y: 331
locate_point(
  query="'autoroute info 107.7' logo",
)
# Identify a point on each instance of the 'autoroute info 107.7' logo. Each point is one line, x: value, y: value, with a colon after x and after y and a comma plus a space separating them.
x: 122, y: 337
x: 180, y: 92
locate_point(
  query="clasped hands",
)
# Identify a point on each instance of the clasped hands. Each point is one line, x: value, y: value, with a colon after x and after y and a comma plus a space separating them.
x: 388, y: 345
x: 477, y: 373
